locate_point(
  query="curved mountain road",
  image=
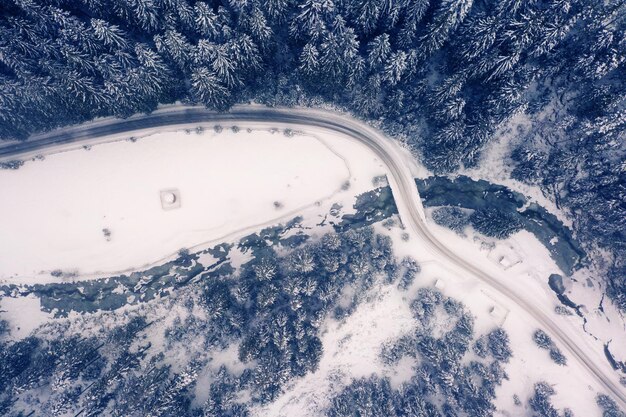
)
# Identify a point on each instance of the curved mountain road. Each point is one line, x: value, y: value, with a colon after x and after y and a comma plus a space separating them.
x: 402, y: 184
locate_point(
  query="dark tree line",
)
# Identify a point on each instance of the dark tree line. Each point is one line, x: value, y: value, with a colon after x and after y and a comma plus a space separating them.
x: 462, y: 66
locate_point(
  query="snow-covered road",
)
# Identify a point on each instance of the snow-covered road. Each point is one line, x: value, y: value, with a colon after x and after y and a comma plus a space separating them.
x: 401, y: 182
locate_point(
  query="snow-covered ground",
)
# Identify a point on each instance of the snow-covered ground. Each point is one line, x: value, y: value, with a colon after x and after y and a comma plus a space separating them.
x: 494, y: 167
x: 224, y: 187
x: 351, y: 349
x: 526, y: 265
x: 351, y: 346
x: 23, y: 314
x: 60, y: 210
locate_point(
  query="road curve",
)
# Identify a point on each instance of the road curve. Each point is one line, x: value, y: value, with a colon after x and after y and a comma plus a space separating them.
x: 401, y: 181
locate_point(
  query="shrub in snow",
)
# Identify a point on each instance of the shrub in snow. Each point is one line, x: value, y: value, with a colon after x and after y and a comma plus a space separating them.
x: 388, y: 223
x: 266, y: 269
x: 608, y: 406
x: 364, y: 397
x: 557, y: 356
x: 423, y: 307
x: 542, y: 339
x: 302, y: 261
x: 411, y: 269
x: 451, y: 217
x: 406, y: 280
x: 271, y: 314
x: 528, y: 164
x: 495, y: 223
x: 369, y: 58
x: 540, y: 401
x: 444, y: 380
x: 380, y: 181
x: 563, y: 311
x: 392, y: 352
x: 15, y: 164
x: 498, y: 342
x: 481, y: 347
x: 452, y: 307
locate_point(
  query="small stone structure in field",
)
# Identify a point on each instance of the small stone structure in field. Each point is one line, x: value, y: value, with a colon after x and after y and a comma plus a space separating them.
x: 170, y: 199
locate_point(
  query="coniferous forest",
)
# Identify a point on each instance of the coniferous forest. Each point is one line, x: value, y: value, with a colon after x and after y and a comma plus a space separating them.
x: 441, y: 75
x: 163, y: 358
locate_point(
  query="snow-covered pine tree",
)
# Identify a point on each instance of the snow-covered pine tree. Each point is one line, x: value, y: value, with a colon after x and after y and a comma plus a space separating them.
x: 206, y: 21
x: 207, y: 89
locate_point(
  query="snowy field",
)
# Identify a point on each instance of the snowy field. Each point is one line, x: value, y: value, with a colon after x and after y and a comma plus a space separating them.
x: 93, y: 211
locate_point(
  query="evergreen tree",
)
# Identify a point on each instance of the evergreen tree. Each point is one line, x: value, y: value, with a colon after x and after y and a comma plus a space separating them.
x: 206, y: 21
x: 111, y: 35
x: 446, y: 18
x: 206, y: 88
x: 495, y: 223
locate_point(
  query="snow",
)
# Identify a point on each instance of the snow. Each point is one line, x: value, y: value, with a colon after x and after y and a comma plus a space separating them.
x: 351, y: 347
x: 607, y: 324
x: 350, y: 350
x: 206, y: 259
x: 229, y: 358
x: 154, y: 336
x: 530, y: 364
x: 237, y: 258
x: 402, y: 372
x: 169, y: 197
x: 23, y: 315
x: 228, y: 183
x: 506, y: 255
x: 493, y: 167
x: 528, y: 275
x: 347, y: 354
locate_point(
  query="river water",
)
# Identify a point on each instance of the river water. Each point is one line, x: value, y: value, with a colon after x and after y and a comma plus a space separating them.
x: 467, y: 193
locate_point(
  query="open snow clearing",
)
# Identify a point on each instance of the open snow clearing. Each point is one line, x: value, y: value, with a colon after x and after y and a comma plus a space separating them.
x: 122, y: 205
